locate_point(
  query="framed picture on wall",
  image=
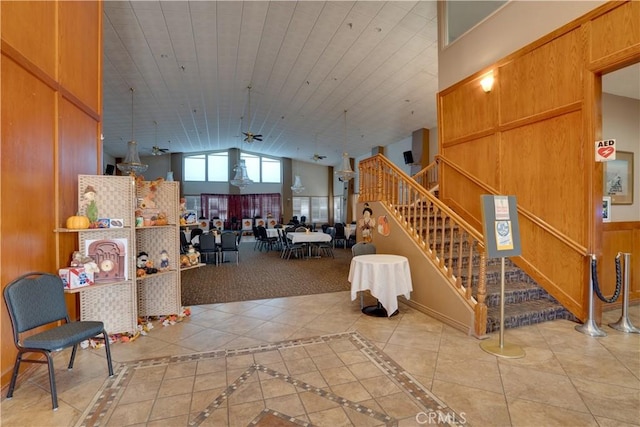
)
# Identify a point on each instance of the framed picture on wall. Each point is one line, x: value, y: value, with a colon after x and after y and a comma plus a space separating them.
x: 606, y: 209
x: 618, y: 178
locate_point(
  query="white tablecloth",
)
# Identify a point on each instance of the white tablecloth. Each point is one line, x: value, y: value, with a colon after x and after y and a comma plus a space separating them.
x: 196, y: 239
x: 272, y: 232
x: 313, y: 236
x: 385, y: 276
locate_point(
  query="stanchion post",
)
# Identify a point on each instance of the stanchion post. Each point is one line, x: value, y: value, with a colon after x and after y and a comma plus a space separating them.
x: 510, y: 351
x: 624, y: 324
x: 589, y: 327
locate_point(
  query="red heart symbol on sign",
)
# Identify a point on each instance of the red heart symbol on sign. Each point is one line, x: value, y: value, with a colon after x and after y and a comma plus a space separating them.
x: 605, y: 151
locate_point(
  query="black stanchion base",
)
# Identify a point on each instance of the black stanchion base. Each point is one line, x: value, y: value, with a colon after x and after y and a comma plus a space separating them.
x: 377, y: 311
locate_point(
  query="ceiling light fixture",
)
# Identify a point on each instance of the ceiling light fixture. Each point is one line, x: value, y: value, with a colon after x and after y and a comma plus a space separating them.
x: 297, y: 186
x: 132, y: 164
x: 241, y: 179
x: 345, y: 173
x: 250, y: 136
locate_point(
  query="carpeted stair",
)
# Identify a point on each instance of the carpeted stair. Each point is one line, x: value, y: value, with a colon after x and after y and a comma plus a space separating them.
x: 526, y: 303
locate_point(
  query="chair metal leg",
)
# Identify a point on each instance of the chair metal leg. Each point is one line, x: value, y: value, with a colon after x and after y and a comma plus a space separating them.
x: 108, y: 351
x: 73, y: 356
x: 14, y: 376
x: 52, y: 381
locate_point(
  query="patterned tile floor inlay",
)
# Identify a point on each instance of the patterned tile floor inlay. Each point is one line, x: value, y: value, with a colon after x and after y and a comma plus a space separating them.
x: 338, y: 379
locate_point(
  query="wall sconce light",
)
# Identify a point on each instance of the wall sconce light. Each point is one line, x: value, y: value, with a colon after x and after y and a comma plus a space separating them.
x: 487, y: 83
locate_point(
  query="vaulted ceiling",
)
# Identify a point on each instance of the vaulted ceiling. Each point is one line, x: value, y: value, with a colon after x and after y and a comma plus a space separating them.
x: 190, y: 64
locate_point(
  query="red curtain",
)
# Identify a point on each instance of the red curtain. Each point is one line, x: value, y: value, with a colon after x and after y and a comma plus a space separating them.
x: 227, y: 206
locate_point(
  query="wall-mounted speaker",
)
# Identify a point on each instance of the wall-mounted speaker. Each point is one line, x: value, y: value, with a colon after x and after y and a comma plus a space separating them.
x: 408, y: 157
x: 110, y: 170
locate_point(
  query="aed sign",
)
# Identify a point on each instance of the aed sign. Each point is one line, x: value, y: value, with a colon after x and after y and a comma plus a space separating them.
x: 605, y: 150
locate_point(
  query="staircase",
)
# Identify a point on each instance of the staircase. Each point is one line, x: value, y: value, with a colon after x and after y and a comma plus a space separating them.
x: 525, y: 302
x: 456, y: 247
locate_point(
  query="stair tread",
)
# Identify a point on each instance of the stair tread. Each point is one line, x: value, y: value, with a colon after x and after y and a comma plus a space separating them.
x: 525, y: 307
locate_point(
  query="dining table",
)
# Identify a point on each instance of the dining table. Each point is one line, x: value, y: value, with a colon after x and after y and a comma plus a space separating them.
x: 308, y: 237
x: 385, y: 276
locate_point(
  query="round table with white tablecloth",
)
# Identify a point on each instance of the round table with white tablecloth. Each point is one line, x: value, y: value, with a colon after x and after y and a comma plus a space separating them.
x: 385, y: 276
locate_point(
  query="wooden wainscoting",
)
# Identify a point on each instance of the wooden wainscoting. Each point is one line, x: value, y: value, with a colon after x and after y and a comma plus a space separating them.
x: 620, y: 237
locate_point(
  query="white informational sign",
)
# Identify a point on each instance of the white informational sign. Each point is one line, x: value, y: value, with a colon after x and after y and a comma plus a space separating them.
x: 605, y: 150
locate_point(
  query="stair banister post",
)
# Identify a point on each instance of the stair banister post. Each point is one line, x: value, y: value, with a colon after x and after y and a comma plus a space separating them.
x: 481, y: 306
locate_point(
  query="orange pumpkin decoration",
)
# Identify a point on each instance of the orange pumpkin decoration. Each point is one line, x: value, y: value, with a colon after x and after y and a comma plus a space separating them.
x: 77, y: 222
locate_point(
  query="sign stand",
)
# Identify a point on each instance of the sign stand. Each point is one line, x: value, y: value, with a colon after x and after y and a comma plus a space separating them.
x: 502, y: 238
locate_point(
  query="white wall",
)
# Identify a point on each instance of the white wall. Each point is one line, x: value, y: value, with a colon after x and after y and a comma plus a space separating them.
x: 314, y: 177
x: 621, y: 121
x: 513, y: 26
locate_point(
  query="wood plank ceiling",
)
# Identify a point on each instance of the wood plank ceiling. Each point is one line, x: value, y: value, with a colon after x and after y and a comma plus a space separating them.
x: 190, y: 63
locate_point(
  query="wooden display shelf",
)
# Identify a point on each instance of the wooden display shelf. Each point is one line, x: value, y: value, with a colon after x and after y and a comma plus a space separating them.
x: 94, y: 286
x: 149, y: 227
x: 192, y: 266
x: 151, y: 276
x: 88, y: 230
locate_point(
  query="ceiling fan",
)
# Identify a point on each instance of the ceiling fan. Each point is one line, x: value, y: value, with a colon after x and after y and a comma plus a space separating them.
x: 157, y: 151
x: 317, y: 157
x: 250, y: 136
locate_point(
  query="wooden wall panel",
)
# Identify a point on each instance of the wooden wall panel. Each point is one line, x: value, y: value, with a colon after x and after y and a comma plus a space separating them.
x: 548, y: 117
x: 543, y: 168
x: 78, y: 150
x: 479, y: 157
x: 559, y: 269
x: 620, y: 237
x: 468, y: 100
x: 615, y: 31
x: 49, y: 135
x: 28, y: 193
x: 28, y: 26
x: 546, y: 78
x: 76, y: 65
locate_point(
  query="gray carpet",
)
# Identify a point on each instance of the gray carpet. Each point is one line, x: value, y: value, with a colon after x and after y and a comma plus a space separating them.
x: 263, y: 275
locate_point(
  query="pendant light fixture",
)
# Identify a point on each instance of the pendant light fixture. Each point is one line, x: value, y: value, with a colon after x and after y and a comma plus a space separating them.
x: 241, y: 179
x: 132, y: 164
x: 345, y: 173
x: 297, y: 186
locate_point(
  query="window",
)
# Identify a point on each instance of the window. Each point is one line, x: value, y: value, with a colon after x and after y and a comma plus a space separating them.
x: 301, y: 207
x: 214, y: 167
x: 319, y: 209
x: 262, y: 169
x: 461, y: 16
x: 207, y: 167
x: 253, y: 166
x: 270, y: 170
x: 337, y: 208
x: 218, y: 167
x: 316, y: 209
x: 195, y: 168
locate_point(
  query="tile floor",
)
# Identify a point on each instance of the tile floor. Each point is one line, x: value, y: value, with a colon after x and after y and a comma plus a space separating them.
x: 565, y: 379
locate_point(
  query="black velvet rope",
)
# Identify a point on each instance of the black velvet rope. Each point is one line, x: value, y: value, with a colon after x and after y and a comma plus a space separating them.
x: 596, y: 287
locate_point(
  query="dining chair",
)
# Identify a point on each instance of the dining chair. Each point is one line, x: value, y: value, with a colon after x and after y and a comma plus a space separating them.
x: 340, y: 235
x: 35, y: 300
x: 228, y: 243
x: 184, y: 243
x: 257, y: 237
x: 266, y: 241
x: 289, y: 248
x: 196, y: 232
x: 208, y: 246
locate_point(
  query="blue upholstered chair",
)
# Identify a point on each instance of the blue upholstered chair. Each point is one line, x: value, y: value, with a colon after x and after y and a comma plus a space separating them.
x: 37, y: 299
